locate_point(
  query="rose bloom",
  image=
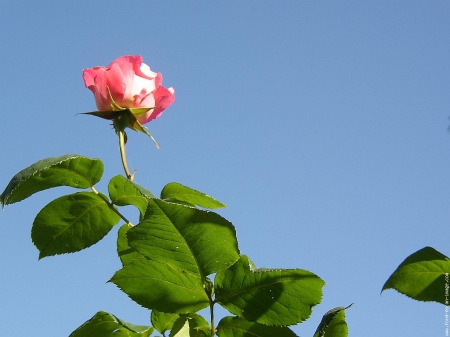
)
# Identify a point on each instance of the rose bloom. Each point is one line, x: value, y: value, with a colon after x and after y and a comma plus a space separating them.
x: 132, y: 85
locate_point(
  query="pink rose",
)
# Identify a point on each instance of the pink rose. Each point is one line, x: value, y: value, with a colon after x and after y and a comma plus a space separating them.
x: 131, y: 84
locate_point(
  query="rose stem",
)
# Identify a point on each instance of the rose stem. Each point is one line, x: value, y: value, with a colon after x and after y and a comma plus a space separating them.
x: 123, y: 156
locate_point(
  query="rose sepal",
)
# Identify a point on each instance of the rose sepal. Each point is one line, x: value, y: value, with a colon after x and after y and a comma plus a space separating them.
x: 126, y: 119
x: 102, y: 114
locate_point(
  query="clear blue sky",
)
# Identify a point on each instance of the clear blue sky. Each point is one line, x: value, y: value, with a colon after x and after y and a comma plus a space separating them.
x: 322, y: 125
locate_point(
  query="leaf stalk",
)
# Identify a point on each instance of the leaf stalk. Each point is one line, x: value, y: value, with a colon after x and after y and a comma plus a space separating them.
x: 111, y: 206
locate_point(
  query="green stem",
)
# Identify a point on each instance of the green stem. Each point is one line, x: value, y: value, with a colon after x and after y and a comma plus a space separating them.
x: 123, y: 156
x: 211, y: 312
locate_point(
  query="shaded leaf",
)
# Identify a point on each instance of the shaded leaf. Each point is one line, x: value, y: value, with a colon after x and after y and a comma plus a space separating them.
x: 178, y: 193
x: 192, y: 325
x: 125, y: 252
x: 209, y: 287
x: 71, y: 223
x: 159, y: 286
x: 239, y: 327
x: 124, y: 192
x: 103, y: 324
x: 421, y: 276
x: 268, y: 296
x: 70, y: 170
x: 333, y: 323
x: 186, y: 238
x: 162, y: 321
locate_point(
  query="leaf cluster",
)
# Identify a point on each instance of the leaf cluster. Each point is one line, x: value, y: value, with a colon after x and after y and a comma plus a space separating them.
x: 180, y: 258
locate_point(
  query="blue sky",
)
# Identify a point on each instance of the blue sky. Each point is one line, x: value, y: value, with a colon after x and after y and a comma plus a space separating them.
x: 322, y: 125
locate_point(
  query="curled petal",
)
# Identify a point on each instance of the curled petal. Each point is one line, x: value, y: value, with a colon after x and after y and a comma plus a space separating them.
x: 94, y: 81
x: 163, y: 98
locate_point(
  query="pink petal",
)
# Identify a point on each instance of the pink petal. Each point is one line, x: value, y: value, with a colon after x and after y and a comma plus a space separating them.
x: 144, y: 71
x: 163, y: 98
x: 92, y: 80
x: 116, y: 79
x: 129, y: 78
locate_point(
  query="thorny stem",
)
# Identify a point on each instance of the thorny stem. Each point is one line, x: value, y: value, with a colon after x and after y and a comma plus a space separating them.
x: 123, y: 156
x: 111, y: 206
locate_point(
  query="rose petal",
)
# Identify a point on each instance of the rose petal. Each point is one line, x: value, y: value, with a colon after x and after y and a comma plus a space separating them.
x: 163, y: 98
x: 92, y: 80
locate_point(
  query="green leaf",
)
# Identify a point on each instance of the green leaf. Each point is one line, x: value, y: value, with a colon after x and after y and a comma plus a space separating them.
x: 239, y: 327
x: 71, y: 223
x: 268, y: 296
x: 103, y: 324
x: 159, y: 286
x: 198, y: 326
x: 186, y: 238
x: 162, y: 321
x: 178, y: 193
x: 70, y: 170
x: 144, y: 191
x: 333, y: 323
x: 125, y: 252
x: 192, y: 325
x: 421, y: 276
x: 338, y: 326
x: 124, y: 192
x: 180, y: 329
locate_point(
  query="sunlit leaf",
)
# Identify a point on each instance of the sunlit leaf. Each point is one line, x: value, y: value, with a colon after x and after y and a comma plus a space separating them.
x: 124, y: 192
x: 333, y: 324
x: 421, y: 276
x: 162, y: 321
x: 70, y: 170
x: 180, y: 329
x: 158, y: 286
x: 144, y: 191
x: 103, y: 324
x: 178, y: 193
x: 239, y: 327
x: 71, y: 223
x: 186, y: 238
x: 268, y: 296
